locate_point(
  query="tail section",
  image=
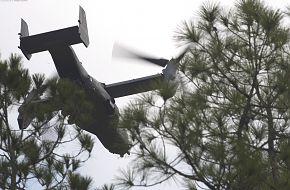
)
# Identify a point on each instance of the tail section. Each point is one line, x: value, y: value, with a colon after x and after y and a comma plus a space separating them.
x: 49, y: 40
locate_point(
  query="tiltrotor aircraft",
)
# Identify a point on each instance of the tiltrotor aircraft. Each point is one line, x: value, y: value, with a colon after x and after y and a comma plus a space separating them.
x: 58, y: 43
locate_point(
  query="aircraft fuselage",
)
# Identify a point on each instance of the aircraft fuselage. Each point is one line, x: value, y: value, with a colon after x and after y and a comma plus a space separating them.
x: 105, y: 121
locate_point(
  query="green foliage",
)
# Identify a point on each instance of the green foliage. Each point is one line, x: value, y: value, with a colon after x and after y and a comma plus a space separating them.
x: 107, y: 187
x: 86, y: 142
x: 227, y: 127
x: 34, y: 154
x: 76, y: 181
x: 166, y: 89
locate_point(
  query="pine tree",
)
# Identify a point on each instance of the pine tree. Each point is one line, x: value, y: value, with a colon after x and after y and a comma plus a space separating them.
x: 227, y: 127
x: 36, y: 155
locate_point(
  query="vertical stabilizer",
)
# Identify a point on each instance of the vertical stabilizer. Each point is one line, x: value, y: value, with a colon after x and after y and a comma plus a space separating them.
x: 24, y: 33
x: 83, y: 29
x: 24, y: 29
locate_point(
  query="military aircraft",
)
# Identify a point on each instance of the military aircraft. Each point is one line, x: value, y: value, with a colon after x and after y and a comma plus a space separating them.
x: 58, y: 43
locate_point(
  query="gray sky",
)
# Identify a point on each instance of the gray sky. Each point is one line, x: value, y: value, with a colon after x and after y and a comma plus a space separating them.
x: 145, y: 25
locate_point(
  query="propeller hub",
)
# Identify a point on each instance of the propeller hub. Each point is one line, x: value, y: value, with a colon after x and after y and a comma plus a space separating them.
x: 170, y: 71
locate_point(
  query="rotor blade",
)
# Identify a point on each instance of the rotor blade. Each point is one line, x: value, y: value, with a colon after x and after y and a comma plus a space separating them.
x: 121, y: 51
x: 160, y: 62
x: 181, y: 55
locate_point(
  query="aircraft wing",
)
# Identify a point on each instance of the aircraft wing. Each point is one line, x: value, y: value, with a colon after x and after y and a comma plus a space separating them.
x: 134, y: 86
x: 29, y: 109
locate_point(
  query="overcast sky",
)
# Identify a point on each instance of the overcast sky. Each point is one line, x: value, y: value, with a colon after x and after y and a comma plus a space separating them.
x: 145, y: 25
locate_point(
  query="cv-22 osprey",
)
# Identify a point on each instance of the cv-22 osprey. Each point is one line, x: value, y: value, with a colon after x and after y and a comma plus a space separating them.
x: 58, y: 43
